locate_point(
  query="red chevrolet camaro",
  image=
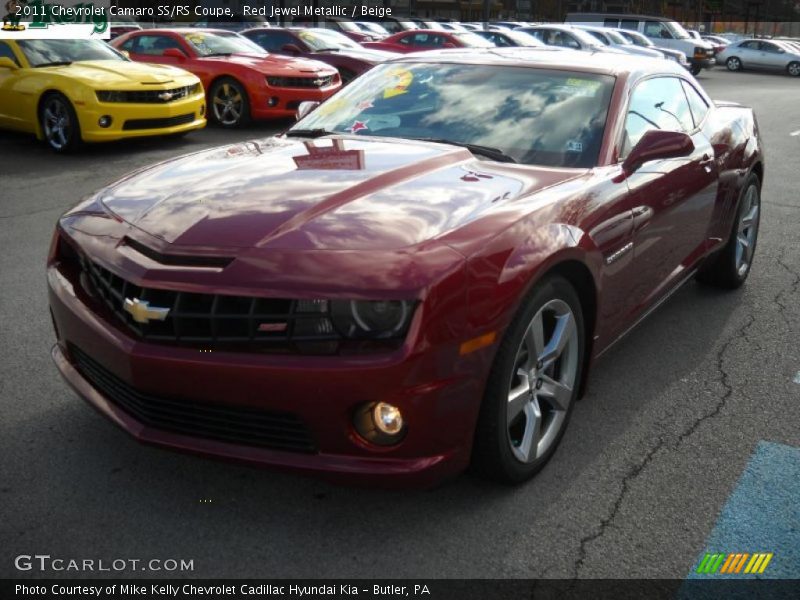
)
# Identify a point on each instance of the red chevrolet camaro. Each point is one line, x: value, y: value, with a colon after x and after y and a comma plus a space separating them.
x: 417, y: 275
x: 241, y: 80
x: 419, y: 40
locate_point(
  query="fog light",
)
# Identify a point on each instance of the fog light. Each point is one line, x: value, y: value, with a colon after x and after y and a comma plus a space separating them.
x: 273, y: 101
x: 104, y: 121
x: 387, y: 418
x: 202, y: 109
x: 380, y: 423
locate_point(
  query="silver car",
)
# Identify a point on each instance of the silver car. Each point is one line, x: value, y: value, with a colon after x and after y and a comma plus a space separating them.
x: 761, y: 54
x: 641, y: 40
x: 609, y: 37
x: 568, y: 37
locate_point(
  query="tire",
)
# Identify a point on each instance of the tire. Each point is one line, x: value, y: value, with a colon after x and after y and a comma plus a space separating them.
x: 734, y: 64
x: 793, y: 69
x: 228, y: 103
x: 509, y: 446
x: 59, y: 123
x: 695, y: 70
x: 729, y: 269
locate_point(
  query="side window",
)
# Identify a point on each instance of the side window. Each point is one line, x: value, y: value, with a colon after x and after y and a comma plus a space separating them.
x: 566, y: 40
x: 128, y: 46
x: 751, y: 45
x: 406, y: 41
x: 696, y: 103
x: 422, y: 39
x: 629, y: 24
x: 5, y: 50
x: 154, y: 45
x: 611, y: 22
x: 767, y: 47
x: 657, y: 103
x: 438, y: 41
x: 656, y: 29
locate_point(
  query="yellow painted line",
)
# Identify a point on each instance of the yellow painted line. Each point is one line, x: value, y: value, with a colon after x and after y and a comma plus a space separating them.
x: 758, y: 563
x: 753, y: 560
x: 765, y: 563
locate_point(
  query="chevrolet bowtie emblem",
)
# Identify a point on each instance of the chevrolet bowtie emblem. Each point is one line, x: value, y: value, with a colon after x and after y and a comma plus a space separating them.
x: 165, y: 96
x: 318, y: 82
x: 142, y: 312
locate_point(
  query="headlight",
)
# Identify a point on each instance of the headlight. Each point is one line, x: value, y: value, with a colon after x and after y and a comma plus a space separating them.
x: 371, y: 319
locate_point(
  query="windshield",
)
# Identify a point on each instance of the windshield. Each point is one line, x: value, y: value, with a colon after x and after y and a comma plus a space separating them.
x: 523, y: 39
x: 637, y: 38
x: 211, y: 44
x: 617, y: 38
x: 536, y: 116
x: 372, y: 27
x: 41, y: 53
x: 348, y: 26
x: 472, y: 40
x: 676, y: 30
x: 325, y: 39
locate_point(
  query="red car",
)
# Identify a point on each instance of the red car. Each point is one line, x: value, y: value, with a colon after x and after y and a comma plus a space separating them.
x: 241, y: 80
x: 412, y: 278
x: 417, y: 40
x: 330, y: 47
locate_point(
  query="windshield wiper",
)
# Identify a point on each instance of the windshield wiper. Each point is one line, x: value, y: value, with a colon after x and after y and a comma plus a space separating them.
x: 57, y: 63
x: 309, y: 133
x: 218, y: 54
x: 487, y: 151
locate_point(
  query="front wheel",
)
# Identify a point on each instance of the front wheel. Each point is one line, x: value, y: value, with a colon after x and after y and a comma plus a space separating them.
x: 532, y: 386
x: 733, y: 64
x: 793, y: 69
x: 695, y: 69
x: 59, y: 123
x: 732, y: 266
x: 229, y: 103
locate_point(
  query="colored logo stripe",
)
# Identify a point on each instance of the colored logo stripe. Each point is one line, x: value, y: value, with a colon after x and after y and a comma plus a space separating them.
x: 733, y: 563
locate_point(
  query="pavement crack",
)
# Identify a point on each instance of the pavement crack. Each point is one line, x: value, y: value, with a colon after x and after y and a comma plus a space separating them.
x: 787, y: 291
x: 637, y: 469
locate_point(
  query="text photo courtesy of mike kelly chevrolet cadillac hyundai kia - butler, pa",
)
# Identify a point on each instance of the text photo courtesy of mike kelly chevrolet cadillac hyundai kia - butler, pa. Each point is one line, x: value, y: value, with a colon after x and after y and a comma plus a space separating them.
x: 399, y: 298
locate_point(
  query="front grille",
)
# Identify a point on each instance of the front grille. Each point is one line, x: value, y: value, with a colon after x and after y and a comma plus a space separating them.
x: 238, y: 425
x: 301, y: 82
x: 148, y: 96
x: 158, y: 123
x: 216, y: 319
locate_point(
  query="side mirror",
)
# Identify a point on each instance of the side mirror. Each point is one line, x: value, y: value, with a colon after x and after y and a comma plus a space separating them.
x: 305, y: 107
x: 657, y: 144
x: 291, y: 49
x: 7, y: 63
x: 174, y: 53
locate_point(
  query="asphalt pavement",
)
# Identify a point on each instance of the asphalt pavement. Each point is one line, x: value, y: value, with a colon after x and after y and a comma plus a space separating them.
x: 653, y: 452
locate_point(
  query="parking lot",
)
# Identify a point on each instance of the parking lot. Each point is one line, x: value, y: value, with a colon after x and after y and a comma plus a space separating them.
x: 653, y: 452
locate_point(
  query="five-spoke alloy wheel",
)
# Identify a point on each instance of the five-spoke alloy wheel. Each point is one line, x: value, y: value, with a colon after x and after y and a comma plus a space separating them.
x: 59, y: 123
x: 533, y: 384
x: 229, y: 104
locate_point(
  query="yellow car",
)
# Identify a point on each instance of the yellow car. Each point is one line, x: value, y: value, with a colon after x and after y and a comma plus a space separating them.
x: 72, y: 91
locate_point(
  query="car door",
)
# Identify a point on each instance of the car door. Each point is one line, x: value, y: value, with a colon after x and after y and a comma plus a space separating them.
x: 672, y: 199
x: 749, y: 53
x: 771, y: 56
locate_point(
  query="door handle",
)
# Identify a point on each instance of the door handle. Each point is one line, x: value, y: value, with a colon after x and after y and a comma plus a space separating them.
x: 707, y: 163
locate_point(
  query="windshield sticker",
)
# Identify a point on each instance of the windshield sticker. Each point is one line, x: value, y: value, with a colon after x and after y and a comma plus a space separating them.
x: 358, y: 126
x: 364, y: 105
x: 196, y: 38
x: 401, y: 78
x: 573, y: 146
x: 331, y: 107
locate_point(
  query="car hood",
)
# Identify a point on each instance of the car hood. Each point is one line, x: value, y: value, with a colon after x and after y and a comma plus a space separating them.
x: 117, y: 72
x: 365, y: 54
x: 345, y: 193
x: 275, y: 64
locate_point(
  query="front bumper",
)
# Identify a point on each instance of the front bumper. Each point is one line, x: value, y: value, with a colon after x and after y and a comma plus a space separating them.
x: 439, y: 398
x: 703, y: 63
x: 141, y: 120
x: 273, y: 103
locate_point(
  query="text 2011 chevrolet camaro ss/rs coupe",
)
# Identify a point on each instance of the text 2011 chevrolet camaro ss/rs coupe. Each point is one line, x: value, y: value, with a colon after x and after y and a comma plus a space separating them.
x: 417, y: 275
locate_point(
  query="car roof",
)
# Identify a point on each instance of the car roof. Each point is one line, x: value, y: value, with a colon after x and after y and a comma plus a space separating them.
x: 183, y: 30
x: 550, y: 57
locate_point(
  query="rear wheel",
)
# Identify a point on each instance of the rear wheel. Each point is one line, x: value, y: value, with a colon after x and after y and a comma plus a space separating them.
x: 730, y: 268
x: 695, y: 69
x: 59, y: 123
x: 793, y: 69
x: 229, y: 104
x: 733, y: 64
x: 532, y: 386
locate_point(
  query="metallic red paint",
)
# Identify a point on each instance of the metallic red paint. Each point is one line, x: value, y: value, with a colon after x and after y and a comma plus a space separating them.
x: 250, y: 70
x: 466, y: 237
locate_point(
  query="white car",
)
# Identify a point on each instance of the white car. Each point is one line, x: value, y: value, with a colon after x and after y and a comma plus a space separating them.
x: 639, y: 39
x: 764, y: 55
x: 609, y: 37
